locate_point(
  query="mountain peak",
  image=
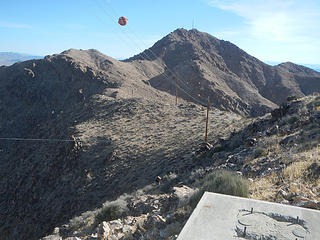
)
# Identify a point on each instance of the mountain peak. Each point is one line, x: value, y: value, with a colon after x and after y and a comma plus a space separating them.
x: 178, y: 40
x: 80, y: 53
x: 91, y: 57
x: 180, y: 30
x: 190, y: 35
x: 296, y: 68
x: 185, y: 31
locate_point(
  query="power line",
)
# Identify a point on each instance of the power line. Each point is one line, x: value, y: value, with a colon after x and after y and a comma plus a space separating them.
x: 53, y: 140
x: 144, y: 52
x: 101, y: 20
x: 40, y: 139
x: 154, y: 55
x: 121, y: 28
x: 148, y: 57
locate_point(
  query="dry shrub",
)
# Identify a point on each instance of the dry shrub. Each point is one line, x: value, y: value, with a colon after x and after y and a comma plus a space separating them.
x: 109, y: 213
x: 264, y: 188
x: 259, y: 152
x: 295, y: 170
x: 224, y: 182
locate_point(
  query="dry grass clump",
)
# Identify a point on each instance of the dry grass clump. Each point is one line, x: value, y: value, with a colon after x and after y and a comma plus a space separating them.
x: 259, y: 152
x: 300, y: 176
x: 264, y: 188
x: 224, y: 182
x: 295, y: 171
x: 315, y: 103
x: 299, y: 156
x: 82, y: 222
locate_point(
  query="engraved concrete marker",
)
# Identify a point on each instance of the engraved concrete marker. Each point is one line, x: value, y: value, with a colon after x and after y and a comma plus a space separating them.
x: 220, y: 216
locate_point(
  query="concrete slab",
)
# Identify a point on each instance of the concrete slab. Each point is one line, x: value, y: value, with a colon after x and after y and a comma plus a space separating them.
x: 224, y: 217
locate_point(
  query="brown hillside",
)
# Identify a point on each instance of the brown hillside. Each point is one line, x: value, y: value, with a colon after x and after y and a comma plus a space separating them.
x: 232, y: 79
x: 128, y: 134
x: 121, y: 118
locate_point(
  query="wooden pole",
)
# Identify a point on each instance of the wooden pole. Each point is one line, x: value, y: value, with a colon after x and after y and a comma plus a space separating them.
x: 206, y: 135
x: 176, y: 90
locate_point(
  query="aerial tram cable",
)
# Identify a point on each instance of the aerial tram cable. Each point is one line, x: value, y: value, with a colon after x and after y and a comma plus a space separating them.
x: 112, y: 18
x: 103, y: 22
x: 148, y: 56
x: 154, y: 55
x: 127, y: 38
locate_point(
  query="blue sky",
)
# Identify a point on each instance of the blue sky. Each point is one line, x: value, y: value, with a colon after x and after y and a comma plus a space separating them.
x: 271, y: 30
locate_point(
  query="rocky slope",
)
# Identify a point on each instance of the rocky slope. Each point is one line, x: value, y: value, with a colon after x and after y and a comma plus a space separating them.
x: 125, y: 134
x: 278, y: 153
x: 119, y: 131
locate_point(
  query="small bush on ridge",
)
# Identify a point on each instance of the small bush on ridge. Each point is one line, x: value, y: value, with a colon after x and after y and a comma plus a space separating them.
x: 109, y: 213
x: 258, y: 152
x: 224, y: 182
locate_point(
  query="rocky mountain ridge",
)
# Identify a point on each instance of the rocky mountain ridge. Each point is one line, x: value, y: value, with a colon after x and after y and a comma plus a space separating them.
x: 121, y: 122
x: 218, y: 69
x: 277, y: 153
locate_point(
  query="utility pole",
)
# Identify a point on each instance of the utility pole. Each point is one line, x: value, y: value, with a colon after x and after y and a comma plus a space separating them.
x: 206, y: 134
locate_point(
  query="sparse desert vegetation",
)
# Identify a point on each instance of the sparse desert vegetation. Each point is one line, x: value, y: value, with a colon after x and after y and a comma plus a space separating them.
x: 112, y: 155
x: 224, y: 182
x: 279, y: 160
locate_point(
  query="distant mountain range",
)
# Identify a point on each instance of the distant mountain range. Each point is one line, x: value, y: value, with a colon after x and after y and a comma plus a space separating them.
x: 9, y: 58
x: 315, y: 67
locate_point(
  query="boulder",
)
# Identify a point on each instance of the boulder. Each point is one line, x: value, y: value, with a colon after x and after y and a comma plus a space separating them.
x: 52, y: 237
x: 183, y: 194
x: 103, y: 230
x: 280, y: 112
x: 301, y: 201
